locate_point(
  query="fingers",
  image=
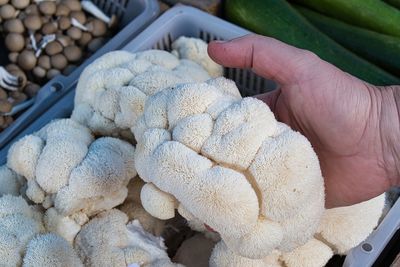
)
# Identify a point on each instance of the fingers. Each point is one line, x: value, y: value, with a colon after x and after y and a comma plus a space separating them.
x: 266, y: 56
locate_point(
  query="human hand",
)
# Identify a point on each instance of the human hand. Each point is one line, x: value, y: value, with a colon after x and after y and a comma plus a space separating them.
x: 352, y: 125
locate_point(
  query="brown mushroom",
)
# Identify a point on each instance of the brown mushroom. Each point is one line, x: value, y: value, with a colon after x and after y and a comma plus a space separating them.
x: 47, y: 7
x: 20, y: 15
x: 13, y: 56
x: 58, y: 61
x: 74, y: 33
x: 52, y: 73
x: 28, y: 43
x: 5, y: 106
x: 73, y: 5
x: 7, y: 11
x: 96, y: 27
x: 64, y: 23
x: 5, y: 123
x: 20, y: 4
x: 31, y: 89
x: 72, y: 53
x: 8, y: 120
x: 65, y: 40
x: 14, y: 25
x: 27, y: 60
x: 95, y: 44
x: 11, y: 67
x: 59, y: 32
x: 44, y: 62
x: 53, y: 48
x: 45, y: 19
x: 85, y: 39
x: 62, y: 10
x: 39, y: 72
x: 79, y: 16
x: 3, y: 94
x: 3, y: 2
x: 15, y: 42
x: 16, y: 71
x: 18, y: 97
x: 69, y: 69
x: 32, y: 9
x: 33, y: 22
x: 49, y: 28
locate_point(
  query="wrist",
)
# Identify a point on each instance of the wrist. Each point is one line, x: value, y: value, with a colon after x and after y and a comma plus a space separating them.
x: 389, y: 125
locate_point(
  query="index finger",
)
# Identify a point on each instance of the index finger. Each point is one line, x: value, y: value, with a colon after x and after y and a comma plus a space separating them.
x: 266, y: 56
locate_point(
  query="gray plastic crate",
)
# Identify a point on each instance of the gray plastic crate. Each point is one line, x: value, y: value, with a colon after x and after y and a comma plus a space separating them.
x: 187, y: 21
x: 133, y: 15
x: 191, y: 22
x: 368, y: 251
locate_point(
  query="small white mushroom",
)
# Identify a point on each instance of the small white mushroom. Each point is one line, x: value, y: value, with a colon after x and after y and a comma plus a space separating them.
x: 97, y: 12
x: 33, y: 40
x: 44, y: 42
x: 79, y: 25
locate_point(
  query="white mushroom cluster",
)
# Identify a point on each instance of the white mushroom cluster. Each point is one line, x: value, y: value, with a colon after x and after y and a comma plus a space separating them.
x: 249, y: 184
x: 72, y: 175
x: 111, y: 92
x: 226, y: 161
x: 23, y: 241
x: 340, y: 230
x: 109, y: 238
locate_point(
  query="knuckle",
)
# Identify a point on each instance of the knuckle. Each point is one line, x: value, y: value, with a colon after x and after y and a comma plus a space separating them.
x: 308, y: 56
x: 305, y: 62
x: 306, y: 59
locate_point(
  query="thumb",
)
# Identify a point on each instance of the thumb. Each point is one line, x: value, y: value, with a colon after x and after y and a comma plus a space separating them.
x: 266, y: 56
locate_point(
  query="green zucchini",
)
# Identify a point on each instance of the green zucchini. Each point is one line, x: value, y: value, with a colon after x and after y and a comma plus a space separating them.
x: 276, y: 18
x: 370, y: 14
x: 381, y: 49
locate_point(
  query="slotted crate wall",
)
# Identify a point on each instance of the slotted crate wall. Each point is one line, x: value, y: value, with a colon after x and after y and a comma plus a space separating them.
x: 248, y: 83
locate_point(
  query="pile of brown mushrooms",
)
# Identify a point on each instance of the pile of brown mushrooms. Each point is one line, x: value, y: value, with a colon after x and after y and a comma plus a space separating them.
x: 45, y: 38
